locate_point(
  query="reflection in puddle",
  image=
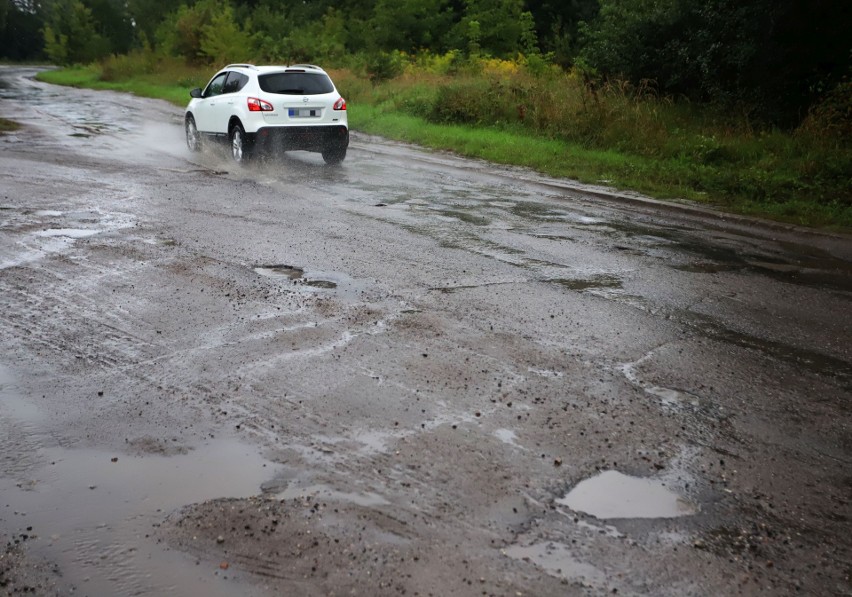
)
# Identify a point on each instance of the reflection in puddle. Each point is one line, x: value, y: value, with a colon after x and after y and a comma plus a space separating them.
x: 556, y: 559
x: 67, y: 232
x: 614, y: 495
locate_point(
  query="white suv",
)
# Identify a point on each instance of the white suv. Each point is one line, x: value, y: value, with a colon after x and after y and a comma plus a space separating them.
x: 268, y: 108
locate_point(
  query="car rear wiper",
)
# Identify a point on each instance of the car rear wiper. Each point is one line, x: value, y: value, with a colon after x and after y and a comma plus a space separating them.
x: 293, y: 91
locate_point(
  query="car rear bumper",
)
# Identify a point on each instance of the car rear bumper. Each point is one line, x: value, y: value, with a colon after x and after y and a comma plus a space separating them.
x: 309, y: 138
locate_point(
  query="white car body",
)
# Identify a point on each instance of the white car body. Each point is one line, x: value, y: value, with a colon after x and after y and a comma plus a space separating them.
x: 270, y: 108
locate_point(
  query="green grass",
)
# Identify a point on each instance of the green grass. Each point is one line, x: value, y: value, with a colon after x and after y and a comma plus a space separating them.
x: 623, y: 138
x: 145, y: 85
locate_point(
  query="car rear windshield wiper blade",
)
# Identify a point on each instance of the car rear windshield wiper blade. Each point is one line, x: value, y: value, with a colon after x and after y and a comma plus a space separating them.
x: 293, y: 91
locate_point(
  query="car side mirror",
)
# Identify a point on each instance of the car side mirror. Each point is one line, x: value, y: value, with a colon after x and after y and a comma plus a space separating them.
x: 196, y: 93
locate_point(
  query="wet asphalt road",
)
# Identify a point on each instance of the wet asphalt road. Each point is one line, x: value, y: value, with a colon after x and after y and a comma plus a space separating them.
x: 387, y: 377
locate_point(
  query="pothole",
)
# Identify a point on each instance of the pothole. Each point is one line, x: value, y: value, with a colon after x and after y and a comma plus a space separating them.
x: 557, y: 560
x: 615, y: 495
x: 320, y: 284
x: 580, y: 285
x: 88, y: 509
x: 280, y: 271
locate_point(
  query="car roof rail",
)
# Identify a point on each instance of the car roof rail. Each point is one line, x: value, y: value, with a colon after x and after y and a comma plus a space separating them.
x: 241, y: 65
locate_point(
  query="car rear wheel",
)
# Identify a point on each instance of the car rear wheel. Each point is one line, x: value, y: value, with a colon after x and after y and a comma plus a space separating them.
x: 334, y: 156
x: 241, y: 149
x: 193, y: 137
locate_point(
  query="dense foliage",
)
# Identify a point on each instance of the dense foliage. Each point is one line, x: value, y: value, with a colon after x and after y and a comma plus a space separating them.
x: 769, y: 59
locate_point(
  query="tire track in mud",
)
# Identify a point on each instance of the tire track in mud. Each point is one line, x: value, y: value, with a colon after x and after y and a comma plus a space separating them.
x: 85, y: 339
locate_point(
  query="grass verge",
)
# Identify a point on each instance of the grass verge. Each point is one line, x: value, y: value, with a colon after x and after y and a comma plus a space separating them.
x: 146, y: 85
x: 771, y: 175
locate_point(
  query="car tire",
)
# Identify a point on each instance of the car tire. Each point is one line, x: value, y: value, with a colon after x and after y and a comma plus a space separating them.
x: 193, y: 137
x: 241, y: 149
x: 334, y: 156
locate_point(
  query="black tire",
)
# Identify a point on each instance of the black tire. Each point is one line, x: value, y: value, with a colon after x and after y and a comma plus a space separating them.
x: 241, y: 147
x: 334, y: 156
x: 193, y: 137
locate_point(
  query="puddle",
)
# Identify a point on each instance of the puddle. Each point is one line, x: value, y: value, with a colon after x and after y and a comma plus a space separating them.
x: 507, y: 436
x: 580, y: 285
x: 320, y: 284
x: 91, y: 511
x: 68, y: 232
x: 292, y: 272
x: 375, y: 442
x: 614, y: 495
x: 556, y: 559
x: 280, y: 271
x: 673, y: 398
x: 463, y: 216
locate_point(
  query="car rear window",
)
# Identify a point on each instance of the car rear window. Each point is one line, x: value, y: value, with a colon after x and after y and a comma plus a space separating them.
x: 296, y: 83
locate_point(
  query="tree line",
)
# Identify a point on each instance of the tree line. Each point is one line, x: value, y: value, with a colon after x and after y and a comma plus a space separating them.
x: 775, y: 58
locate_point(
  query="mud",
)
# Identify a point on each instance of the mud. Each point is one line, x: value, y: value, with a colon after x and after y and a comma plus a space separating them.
x: 256, y: 381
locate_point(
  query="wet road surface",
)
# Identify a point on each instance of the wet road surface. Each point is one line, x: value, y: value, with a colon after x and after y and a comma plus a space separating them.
x: 411, y: 374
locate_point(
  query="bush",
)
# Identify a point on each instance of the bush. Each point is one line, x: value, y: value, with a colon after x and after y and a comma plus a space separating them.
x: 831, y: 118
x: 382, y: 66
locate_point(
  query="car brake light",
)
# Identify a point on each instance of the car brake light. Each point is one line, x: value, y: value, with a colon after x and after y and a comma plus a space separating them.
x: 340, y: 104
x: 258, y: 105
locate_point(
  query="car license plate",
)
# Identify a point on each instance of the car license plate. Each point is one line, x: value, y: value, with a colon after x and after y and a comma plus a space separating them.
x: 303, y: 112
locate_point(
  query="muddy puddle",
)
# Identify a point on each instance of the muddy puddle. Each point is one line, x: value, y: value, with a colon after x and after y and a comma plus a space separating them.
x: 612, y: 494
x: 92, y: 511
x: 592, y: 283
x: 68, y: 232
x: 280, y: 271
x: 557, y: 560
x: 308, y: 280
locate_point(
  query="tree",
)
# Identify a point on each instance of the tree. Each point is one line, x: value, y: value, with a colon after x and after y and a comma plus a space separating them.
x: 769, y: 58
x: 500, y: 26
x: 223, y: 40
x: 112, y: 22
x: 411, y: 25
x: 70, y: 35
x: 21, y: 26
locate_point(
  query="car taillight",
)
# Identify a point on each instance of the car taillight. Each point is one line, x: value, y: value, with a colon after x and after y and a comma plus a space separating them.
x: 340, y: 104
x: 258, y: 105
